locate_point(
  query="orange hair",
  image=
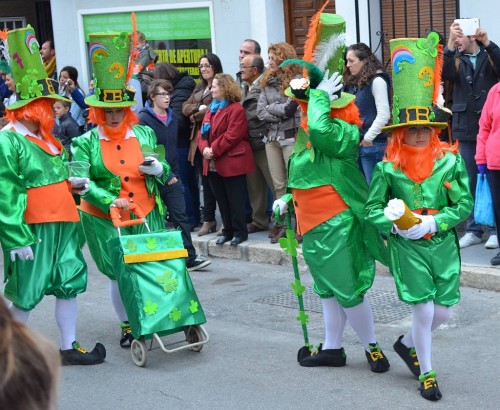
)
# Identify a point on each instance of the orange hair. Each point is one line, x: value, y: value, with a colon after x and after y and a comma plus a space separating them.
x: 437, y: 147
x: 39, y: 112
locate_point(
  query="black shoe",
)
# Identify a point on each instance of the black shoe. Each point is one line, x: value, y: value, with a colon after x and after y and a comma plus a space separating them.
x: 429, y: 387
x: 409, y: 356
x: 327, y: 357
x: 237, y: 240
x: 197, y: 263
x: 376, y: 359
x: 223, y: 239
x: 495, y: 261
x: 126, y: 336
x: 79, y: 356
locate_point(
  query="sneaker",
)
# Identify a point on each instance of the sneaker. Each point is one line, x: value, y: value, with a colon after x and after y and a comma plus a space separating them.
x: 126, y: 335
x: 409, y: 356
x: 197, y: 263
x: 327, y: 357
x: 492, y: 242
x: 495, y: 261
x: 79, y: 356
x: 429, y: 387
x: 376, y: 359
x: 469, y: 239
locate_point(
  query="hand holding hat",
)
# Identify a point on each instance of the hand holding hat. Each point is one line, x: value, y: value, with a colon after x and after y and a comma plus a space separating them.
x: 332, y: 86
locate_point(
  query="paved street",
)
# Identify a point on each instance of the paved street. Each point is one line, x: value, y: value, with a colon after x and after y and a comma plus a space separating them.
x: 250, y: 360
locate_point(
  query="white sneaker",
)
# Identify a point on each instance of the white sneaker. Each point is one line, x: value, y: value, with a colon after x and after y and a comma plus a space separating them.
x: 469, y: 239
x: 492, y: 242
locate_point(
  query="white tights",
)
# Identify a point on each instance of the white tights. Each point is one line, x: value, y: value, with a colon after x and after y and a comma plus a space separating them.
x: 427, y: 317
x: 116, y: 300
x: 335, y: 316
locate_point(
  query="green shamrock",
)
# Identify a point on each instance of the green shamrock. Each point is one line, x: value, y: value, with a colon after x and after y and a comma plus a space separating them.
x: 303, y: 318
x: 121, y: 41
x: 107, y: 200
x: 429, y: 45
x: 432, y: 116
x: 175, y: 314
x: 115, y: 182
x: 172, y: 242
x: 150, y: 308
x: 443, y: 226
x: 297, y: 287
x: 151, y: 244
x: 169, y: 283
x: 193, y: 307
x: 289, y: 244
x: 130, y: 245
x: 35, y: 89
x: 125, y: 97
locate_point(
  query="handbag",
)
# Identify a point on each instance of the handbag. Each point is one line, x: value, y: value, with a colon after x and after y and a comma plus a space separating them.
x: 483, y: 206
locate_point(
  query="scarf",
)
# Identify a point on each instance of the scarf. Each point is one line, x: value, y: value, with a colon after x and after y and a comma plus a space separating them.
x: 50, y: 67
x: 214, y: 106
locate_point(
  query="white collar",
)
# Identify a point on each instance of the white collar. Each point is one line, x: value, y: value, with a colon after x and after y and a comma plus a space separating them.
x: 130, y: 134
x: 20, y: 129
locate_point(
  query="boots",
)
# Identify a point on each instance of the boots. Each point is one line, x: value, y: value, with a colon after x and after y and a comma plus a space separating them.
x: 208, y: 227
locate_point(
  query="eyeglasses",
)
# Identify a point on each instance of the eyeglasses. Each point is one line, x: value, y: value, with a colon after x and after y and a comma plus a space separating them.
x: 204, y: 66
x: 163, y: 95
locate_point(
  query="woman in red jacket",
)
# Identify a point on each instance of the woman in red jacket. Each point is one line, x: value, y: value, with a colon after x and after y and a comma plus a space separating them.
x: 227, y: 156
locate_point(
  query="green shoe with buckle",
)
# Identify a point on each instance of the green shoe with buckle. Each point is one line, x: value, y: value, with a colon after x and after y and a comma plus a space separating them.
x: 409, y: 355
x: 126, y: 335
x: 376, y: 359
x: 429, y: 387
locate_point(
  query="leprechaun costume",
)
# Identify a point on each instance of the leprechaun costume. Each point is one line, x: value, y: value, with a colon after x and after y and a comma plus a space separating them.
x: 38, y: 216
x: 431, y: 178
x: 328, y: 193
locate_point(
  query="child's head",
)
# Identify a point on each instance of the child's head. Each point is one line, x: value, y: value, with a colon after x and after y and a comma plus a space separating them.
x: 61, y: 108
x: 141, y: 39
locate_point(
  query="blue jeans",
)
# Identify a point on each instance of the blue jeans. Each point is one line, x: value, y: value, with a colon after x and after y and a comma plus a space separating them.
x: 369, y: 156
x: 468, y: 151
x: 188, y: 176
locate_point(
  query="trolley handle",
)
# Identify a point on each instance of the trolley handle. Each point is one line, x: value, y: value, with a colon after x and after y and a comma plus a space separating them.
x: 116, y: 212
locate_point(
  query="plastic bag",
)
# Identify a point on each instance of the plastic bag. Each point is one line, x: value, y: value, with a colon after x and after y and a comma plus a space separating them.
x: 483, y: 207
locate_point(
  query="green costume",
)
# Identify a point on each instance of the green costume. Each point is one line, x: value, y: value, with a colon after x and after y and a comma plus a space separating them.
x: 339, y: 252
x: 424, y: 269
x: 58, y: 267
x: 105, y: 188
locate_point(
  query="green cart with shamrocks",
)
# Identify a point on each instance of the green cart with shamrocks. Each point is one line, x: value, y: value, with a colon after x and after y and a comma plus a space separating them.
x: 156, y: 288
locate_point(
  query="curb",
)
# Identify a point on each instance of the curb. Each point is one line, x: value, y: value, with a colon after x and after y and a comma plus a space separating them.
x: 258, y: 249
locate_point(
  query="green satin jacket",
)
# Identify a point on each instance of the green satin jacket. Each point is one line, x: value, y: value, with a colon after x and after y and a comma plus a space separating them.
x: 329, y: 156
x: 446, y: 189
x: 104, y: 185
x: 23, y: 165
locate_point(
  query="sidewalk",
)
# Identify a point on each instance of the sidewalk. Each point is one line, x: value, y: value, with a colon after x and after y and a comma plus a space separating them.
x: 476, y: 269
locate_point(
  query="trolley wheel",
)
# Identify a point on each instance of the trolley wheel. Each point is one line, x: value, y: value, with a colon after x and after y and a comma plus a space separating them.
x: 194, y: 335
x: 139, y: 352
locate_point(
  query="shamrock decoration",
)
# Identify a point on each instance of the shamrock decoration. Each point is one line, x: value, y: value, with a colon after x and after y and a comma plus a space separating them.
x: 130, y: 245
x: 395, y: 109
x: 29, y: 87
x: 172, y: 242
x: 121, y: 41
x: 150, y: 308
x: 429, y: 45
x: 443, y: 226
x: 193, y: 307
x: 125, y: 97
x: 175, y: 314
x: 297, y: 287
x: 151, y: 243
x: 432, y: 116
x: 107, y: 200
x: 97, y: 90
x: 115, y: 182
x: 303, y: 318
x: 169, y: 283
x: 289, y: 244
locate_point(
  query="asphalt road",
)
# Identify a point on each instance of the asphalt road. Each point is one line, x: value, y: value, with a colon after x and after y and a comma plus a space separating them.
x: 250, y: 359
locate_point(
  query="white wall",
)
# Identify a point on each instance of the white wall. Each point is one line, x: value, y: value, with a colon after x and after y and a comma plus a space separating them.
x: 487, y: 12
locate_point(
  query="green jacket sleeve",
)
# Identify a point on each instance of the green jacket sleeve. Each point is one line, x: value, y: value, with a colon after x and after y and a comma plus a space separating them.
x: 378, y: 198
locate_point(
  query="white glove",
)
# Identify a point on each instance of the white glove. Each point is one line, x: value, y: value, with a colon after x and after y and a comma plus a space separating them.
x: 400, y: 232
x: 154, y: 169
x: 428, y: 225
x: 79, y: 185
x: 282, y: 205
x: 25, y: 253
x: 331, y: 85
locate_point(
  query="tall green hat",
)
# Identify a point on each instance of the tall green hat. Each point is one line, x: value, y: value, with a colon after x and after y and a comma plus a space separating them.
x: 324, y: 50
x: 416, y: 80
x: 109, y: 54
x: 22, y: 51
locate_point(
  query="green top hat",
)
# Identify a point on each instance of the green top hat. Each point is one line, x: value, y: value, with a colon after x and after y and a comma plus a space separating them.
x: 416, y: 78
x: 323, y: 50
x: 110, y: 53
x: 28, y: 71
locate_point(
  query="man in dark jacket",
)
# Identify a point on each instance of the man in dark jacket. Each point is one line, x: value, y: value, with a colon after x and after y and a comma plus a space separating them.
x: 251, y: 68
x: 472, y: 65
x: 172, y: 193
